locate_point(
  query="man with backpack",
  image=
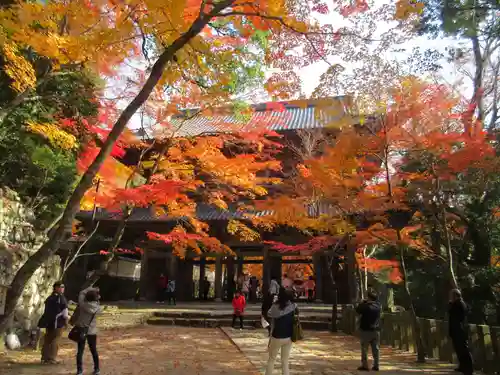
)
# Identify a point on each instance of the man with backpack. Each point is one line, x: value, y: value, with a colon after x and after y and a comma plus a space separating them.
x: 369, y: 330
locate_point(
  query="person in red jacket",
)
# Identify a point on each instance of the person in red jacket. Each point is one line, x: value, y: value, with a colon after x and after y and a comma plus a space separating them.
x: 239, y: 304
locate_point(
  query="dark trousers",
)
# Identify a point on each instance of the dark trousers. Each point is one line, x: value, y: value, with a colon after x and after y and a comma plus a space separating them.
x: 234, y: 320
x: 161, y: 294
x: 171, y: 297
x: 92, y: 342
x: 205, y: 295
x: 461, y: 347
x: 310, y: 295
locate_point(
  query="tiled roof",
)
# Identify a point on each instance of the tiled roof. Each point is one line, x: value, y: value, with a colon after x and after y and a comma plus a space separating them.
x: 275, y: 116
x: 203, y: 212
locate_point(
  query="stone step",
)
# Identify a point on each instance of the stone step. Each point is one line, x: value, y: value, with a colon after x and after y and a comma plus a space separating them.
x: 226, y: 322
x: 228, y: 315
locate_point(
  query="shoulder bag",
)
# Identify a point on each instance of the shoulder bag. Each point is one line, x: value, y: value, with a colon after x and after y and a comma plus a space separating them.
x: 79, y: 334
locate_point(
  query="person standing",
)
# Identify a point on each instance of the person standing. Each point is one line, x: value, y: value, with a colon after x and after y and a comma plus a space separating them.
x: 206, y: 288
x: 171, y: 292
x: 246, y: 287
x: 282, y: 314
x: 254, y: 284
x: 88, y: 304
x: 239, y: 303
x: 54, y: 319
x: 274, y: 287
x: 162, y: 288
x: 457, y: 319
x: 369, y: 330
x: 310, y: 289
x: 287, y: 282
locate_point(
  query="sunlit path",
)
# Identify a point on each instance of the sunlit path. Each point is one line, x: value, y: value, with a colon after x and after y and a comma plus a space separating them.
x: 324, y: 353
x: 144, y: 351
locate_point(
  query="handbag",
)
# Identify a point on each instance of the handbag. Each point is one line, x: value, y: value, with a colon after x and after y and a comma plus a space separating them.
x: 79, y: 334
x: 297, y: 333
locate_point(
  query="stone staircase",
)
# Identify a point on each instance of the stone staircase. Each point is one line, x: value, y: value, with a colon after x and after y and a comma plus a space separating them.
x: 312, y: 318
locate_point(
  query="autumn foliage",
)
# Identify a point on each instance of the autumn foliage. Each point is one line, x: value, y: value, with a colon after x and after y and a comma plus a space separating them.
x: 378, y: 182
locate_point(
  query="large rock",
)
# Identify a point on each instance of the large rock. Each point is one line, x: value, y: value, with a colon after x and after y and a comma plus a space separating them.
x: 18, y: 240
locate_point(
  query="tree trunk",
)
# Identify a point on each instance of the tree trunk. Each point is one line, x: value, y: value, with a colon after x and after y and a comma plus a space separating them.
x: 449, y: 250
x: 331, y: 272
x: 57, y: 236
x: 416, y: 324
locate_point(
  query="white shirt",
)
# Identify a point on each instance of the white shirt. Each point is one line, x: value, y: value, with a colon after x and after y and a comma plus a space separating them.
x: 274, y: 288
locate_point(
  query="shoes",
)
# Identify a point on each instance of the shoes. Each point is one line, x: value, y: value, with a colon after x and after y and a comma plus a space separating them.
x: 458, y: 369
x: 97, y: 372
x: 363, y: 368
x: 375, y: 368
x: 50, y: 362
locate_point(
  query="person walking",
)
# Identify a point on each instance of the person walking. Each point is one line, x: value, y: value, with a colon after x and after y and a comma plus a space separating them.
x: 171, y: 292
x: 239, y: 303
x: 457, y: 319
x: 54, y: 318
x: 282, y: 313
x: 369, y: 330
x: 89, y: 307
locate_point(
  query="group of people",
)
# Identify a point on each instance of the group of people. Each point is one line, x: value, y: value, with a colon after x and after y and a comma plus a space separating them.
x: 56, y: 318
x: 278, y: 311
x: 166, y: 290
x: 369, y: 331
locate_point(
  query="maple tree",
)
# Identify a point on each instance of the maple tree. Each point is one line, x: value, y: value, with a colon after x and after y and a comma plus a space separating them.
x: 192, y: 39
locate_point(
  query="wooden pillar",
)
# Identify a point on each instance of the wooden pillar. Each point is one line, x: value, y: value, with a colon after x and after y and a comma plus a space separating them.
x: 218, y: 278
x: 318, y: 274
x: 143, y: 282
x: 240, y: 265
x: 202, y: 277
x: 231, y: 286
x: 172, y: 267
x: 276, y: 269
x: 266, y: 271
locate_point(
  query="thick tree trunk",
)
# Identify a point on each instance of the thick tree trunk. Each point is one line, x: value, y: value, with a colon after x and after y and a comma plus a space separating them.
x: 57, y: 236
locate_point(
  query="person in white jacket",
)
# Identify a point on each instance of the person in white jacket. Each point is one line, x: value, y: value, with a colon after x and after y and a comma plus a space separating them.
x: 88, y: 305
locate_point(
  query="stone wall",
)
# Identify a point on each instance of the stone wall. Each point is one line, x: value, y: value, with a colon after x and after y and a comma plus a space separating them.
x: 18, y: 240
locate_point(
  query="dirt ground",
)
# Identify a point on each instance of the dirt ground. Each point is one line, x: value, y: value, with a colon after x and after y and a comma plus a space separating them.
x: 147, y: 350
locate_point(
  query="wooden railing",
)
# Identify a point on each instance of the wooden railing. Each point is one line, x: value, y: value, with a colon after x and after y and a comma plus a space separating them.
x: 397, y: 331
